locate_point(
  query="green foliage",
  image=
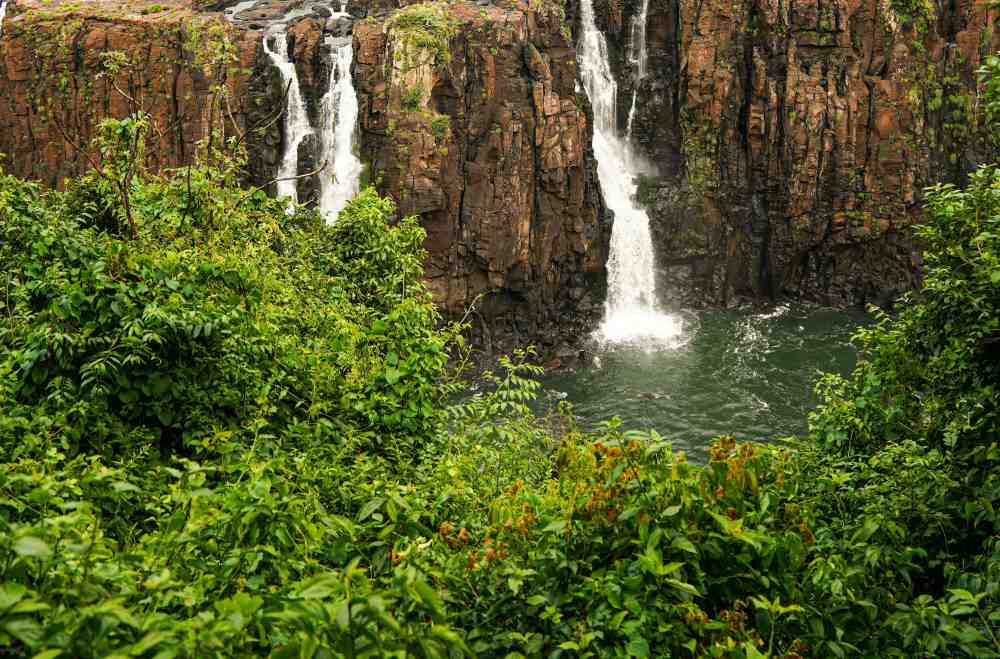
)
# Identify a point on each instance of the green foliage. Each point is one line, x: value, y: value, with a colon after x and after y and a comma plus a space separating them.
x: 223, y: 315
x: 426, y: 26
x: 931, y: 373
x: 231, y: 430
x: 914, y: 13
x: 413, y: 99
x: 440, y: 127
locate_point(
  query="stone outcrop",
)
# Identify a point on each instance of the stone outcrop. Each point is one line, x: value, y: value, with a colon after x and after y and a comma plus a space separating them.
x: 490, y: 144
x: 791, y: 140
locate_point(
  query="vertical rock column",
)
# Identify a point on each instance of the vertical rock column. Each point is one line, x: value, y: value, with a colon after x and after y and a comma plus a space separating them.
x: 489, y: 143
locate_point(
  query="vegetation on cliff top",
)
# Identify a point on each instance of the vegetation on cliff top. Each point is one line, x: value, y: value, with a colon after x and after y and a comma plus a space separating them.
x: 228, y: 431
x: 426, y: 26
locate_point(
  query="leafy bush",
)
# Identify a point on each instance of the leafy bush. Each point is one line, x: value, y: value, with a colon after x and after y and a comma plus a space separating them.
x: 227, y: 430
x: 426, y: 26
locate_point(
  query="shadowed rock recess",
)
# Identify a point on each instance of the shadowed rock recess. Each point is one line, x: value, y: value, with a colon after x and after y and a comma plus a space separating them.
x: 787, y: 141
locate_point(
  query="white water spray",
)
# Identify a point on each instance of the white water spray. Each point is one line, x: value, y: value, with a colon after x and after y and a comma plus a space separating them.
x: 296, y: 119
x: 339, y: 181
x: 3, y: 14
x: 637, y: 59
x: 631, y: 313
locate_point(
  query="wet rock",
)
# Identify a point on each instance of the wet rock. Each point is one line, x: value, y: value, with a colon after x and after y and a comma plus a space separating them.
x: 339, y: 26
x: 494, y: 155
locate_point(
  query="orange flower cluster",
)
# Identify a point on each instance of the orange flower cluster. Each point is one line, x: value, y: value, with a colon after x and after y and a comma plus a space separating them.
x: 721, y: 448
x: 491, y: 553
x: 445, y: 533
x: 601, y: 500
x: 696, y: 616
x: 796, y: 650
x: 525, y: 521
x: 735, y: 619
x: 494, y: 552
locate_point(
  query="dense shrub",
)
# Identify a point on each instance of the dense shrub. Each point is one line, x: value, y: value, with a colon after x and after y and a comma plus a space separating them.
x: 233, y: 431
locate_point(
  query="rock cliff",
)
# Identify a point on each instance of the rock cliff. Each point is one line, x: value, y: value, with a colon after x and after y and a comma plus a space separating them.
x: 186, y: 69
x: 790, y: 140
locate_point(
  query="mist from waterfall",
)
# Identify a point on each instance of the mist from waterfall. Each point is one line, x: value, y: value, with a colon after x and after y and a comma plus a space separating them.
x: 631, y: 312
x: 341, y: 176
x: 296, y: 119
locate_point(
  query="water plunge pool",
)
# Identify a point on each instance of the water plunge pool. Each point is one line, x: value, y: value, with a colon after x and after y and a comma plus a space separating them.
x: 745, y: 372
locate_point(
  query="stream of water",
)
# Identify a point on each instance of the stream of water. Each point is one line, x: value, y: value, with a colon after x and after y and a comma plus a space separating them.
x: 341, y: 177
x: 689, y: 376
x: 296, y: 119
x: 637, y: 59
x: 340, y: 173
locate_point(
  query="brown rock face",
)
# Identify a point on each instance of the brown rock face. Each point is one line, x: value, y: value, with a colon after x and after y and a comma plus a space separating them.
x: 792, y: 139
x: 490, y: 144
x: 56, y: 85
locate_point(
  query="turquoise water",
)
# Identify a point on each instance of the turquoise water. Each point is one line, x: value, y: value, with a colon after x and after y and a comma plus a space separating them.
x: 745, y: 373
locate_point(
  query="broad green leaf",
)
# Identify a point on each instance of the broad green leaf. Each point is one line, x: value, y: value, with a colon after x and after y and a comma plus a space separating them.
x: 32, y: 547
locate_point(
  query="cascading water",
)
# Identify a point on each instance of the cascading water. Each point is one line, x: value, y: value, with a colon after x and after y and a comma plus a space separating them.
x: 340, y: 179
x: 631, y: 313
x: 637, y: 59
x: 296, y: 119
x: 3, y: 13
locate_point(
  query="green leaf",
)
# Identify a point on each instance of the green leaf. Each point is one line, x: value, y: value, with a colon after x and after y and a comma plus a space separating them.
x: 11, y: 594
x: 32, y: 547
x: 638, y: 647
x: 682, y: 543
x: 428, y: 596
x: 370, y: 507
x: 25, y: 630
x: 319, y: 587
x: 555, y: 527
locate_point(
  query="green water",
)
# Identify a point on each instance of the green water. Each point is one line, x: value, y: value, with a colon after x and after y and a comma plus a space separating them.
x: 745, y: 373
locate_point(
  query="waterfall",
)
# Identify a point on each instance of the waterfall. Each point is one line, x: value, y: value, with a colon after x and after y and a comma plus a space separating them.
x: 631, y: 313
x: 637, y: 59
x: 339, y: 180
x: 3, y: 14
x: 296, y: 119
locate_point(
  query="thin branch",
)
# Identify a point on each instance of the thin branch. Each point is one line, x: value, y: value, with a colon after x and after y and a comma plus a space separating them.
x: 298, y: 176
x: 275, y: 180
x: 96, y: 164
x: 266, y: 123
